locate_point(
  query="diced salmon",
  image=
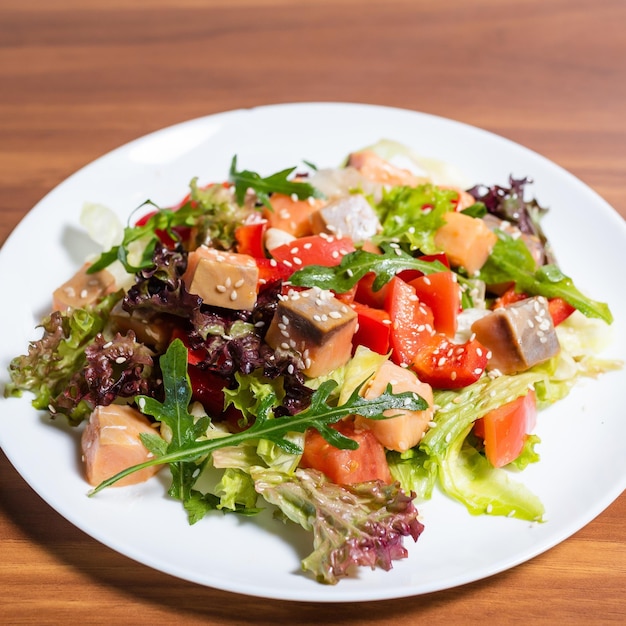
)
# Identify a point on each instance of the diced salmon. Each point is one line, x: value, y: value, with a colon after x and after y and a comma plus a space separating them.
x: 292, y: 216
x: 404, y: 431
x: 110, y: 443
x: 466, y: 240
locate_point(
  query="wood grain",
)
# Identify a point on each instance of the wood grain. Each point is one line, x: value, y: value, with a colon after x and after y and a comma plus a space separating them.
x: 78, y: 78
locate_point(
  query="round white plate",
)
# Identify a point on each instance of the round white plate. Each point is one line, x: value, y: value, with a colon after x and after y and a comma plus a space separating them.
x: 583, y: 466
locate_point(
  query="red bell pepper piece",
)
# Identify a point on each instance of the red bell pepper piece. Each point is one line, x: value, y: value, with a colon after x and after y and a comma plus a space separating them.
x: 446, y: 365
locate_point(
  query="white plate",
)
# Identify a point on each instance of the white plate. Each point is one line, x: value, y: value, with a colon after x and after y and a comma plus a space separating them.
x: 583, y: 466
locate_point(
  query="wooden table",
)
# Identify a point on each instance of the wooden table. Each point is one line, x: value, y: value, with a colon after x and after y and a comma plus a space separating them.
x: 78, y: 78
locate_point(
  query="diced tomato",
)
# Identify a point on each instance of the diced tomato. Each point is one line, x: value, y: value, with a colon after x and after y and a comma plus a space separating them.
x: 313, y: 250
x: 504, y: 429
x: 559, y: 309
x: 374, y: 328
x: 411, y: 321
x: 446, y: 365
x: 441, y: 292
x: 409, y: 275
x: 271, y: 270
x: 365, y: 293
x: 510, y: 296
x: 250, y: 238
x: 194, y: 356
x: 345, y: 467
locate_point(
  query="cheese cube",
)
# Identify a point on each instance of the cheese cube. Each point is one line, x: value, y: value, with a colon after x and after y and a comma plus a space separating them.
x: 350, y: 216
x: 83, y: 289
x: 223, y: 279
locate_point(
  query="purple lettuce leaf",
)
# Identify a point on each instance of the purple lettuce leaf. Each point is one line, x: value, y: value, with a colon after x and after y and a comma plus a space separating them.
x: 361, y: 525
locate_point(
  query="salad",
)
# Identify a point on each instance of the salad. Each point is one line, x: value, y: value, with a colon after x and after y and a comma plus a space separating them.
x: 337, y: 343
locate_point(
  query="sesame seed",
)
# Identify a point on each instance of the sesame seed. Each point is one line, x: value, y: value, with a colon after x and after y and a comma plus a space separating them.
x: 84, y: 293
x: 120, y: 360
x: 335, y: 315
x: 308, y: 245
x: 284, y: 346
x: 220, y: 288
x: 228, y: 282
x: 294, y: 250
x: 297, y: 260
x: 233, y: 295
x: 239, y: 283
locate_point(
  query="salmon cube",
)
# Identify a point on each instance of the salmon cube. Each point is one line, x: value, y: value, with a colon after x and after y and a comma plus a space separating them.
x: 406, y: 429
x: 292, y: 215
x: 224, y: 279
x: 466, y: 240
x: 110, y: 443
x: 317, y: 327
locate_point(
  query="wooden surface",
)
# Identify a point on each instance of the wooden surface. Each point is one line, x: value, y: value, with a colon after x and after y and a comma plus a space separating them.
x: 80, y: 77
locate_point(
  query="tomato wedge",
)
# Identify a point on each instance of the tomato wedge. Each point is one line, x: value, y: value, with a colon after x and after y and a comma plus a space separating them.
x: 446, y: 365
x: 504, y: 429
x: 249, y: 238
x: 313, y: 250
x: 345, y: 467
x: 374, y: 328
x: 411, y: 321
x: 441, y: 292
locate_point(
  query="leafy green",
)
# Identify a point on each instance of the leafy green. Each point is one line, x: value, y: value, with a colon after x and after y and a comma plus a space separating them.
x: 187, y: 449
x: 209, y: 210
x: 444, y: 455
x: 467, y: 475
x: 55, y: 362
x: 412, y: 215
x: 510, y: 260
x: 352, y: 525
x: 276, y: 183
x: 355, y: 265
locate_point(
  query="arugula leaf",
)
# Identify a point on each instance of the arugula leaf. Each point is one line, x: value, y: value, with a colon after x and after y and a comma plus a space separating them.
x: 511, y: 260
x: 187, y: 445
x: 173, y: 412
x: 276, y: 183
x: 355, y: 265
